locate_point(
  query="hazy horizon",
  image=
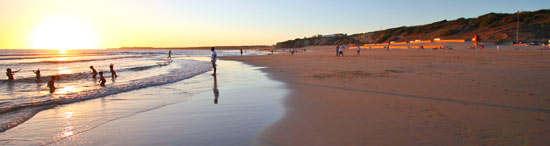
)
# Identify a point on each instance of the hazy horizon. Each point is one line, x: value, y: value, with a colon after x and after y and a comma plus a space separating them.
x: 170, y: 23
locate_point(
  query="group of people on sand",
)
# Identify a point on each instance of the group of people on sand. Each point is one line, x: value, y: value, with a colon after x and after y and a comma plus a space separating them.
x: 51, y: 83
x: 340, y: 50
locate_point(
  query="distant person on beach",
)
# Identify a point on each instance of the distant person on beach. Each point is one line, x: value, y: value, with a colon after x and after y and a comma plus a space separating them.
x: 113, y: 73
x: 292, y: 52
x: 358, y: 49
x: 94, y: 72
x: 169, y: 54
x: 341, y: 50
x: 101, y: 79
x: 37, y: 72
x: 241, y: 51
x: 51, y: 84
x: 10, y: 73
x: 213, y: 59
x: 337, y: 46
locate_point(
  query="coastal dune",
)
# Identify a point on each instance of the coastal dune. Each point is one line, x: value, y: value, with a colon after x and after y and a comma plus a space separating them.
x: 410, y: 97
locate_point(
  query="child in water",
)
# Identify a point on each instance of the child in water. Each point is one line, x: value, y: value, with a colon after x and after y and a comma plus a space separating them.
x: 37, y: 72
x: 51, y: 84
x: 10, y: 73
x: 94, y: 72
x: 113, y: 73
x: 101, y: 79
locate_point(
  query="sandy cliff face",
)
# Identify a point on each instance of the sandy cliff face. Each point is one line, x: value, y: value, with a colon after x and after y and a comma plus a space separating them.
x: 492, y: 27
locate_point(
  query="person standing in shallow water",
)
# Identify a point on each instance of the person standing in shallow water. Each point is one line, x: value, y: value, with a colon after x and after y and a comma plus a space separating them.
x: 51, y: 84
x: 113, y: 73
x: 101, y: 79
x: 213, y: 59
x: 94, y: 72
x: 10, y: 73
x: 169, y: 54
x: 37, y: 72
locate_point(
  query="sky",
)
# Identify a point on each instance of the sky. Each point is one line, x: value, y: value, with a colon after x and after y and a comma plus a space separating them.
x: 188, y: 23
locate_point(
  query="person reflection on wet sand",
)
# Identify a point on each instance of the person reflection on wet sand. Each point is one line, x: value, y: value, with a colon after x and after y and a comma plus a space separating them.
x: 216, y: 91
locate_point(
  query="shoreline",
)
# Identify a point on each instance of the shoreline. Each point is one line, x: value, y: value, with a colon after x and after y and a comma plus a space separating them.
x: 410, y: 97
x: 230, y: 108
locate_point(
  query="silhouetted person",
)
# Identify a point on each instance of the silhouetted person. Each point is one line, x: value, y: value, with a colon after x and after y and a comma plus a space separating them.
x: 113, y: 73
x: 169, y: 54
x: 101, y: 79
x: 213, y: 59
x: 37, y: 72
x: 10, y: 73
x: 94, y: 72
x: 51, y: 84
x: 241, y: 51
x: 216, y: 91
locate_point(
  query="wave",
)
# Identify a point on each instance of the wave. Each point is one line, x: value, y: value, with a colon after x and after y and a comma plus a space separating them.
x: 187, y: 69
x: 81, y: 75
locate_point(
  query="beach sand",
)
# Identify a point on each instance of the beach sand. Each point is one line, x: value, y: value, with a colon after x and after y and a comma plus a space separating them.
x: 410, y: 97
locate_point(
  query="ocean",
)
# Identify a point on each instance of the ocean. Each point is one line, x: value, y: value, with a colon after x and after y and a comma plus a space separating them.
x: 25, y: 96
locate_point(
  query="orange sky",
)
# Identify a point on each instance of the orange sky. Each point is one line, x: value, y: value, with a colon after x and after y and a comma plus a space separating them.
x: 187, y: 23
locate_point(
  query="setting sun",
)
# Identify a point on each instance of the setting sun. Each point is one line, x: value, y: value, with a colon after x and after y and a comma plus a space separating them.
x: 64, y: 32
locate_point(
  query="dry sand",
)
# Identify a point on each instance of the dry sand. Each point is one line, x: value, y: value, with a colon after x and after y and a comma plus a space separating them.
x: 411, y: 97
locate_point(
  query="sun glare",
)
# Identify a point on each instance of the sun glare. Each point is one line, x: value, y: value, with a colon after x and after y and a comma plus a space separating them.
x: 64, y: 32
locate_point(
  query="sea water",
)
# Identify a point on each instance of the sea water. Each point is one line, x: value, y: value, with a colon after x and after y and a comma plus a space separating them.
x: 23, y: 97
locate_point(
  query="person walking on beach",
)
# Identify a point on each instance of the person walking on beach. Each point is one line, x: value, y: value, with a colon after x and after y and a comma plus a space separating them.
x: 10, y: 73
x: 358, y: 49
x: 51, y: 84
x: 337, y: 46
x: 94, y: 72
x: 113, y: 73
x: 241, y: 51
x: 341, y: 50
x: 37, y: 72
x: 213, y: 59
x: 101, y: 79
x: 169, y: 54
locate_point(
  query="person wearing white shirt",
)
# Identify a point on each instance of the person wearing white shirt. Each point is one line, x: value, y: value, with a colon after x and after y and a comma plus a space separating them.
x: 358, y: 49
x: 341, y: 50
x: 213, y: 59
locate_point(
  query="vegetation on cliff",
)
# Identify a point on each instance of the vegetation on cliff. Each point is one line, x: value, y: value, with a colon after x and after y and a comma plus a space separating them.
x: 492, y: 27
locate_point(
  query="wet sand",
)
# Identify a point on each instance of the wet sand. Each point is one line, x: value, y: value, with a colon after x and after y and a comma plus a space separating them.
x: 230, y: 109
x: 411, y: 97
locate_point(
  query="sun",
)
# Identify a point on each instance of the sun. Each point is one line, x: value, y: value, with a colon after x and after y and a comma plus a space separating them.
x: 64, y: 32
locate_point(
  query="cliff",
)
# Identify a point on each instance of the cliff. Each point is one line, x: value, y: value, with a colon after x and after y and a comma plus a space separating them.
x: 492, y: 27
